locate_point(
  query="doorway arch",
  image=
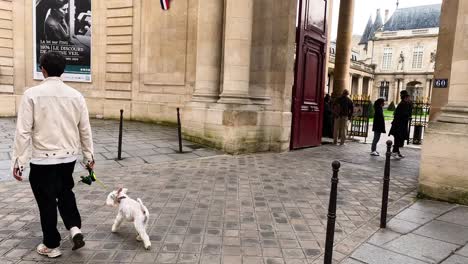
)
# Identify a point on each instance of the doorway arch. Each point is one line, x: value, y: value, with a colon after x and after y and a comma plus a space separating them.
x: 414, y: 89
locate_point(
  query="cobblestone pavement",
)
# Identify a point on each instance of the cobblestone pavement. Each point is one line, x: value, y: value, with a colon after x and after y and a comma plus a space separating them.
x: 142, y: 144
x: 426, y: 232
x: 263, y: 208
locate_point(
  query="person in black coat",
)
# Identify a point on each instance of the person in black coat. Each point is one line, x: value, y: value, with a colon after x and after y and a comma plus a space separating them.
x: 327, y: 118
x: 379, y: 125
x: 400, y: 124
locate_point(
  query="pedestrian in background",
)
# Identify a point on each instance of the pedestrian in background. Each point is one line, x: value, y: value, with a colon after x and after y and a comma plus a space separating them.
x: 400, y: 124
x: 343, y: 111
x: 379, y: 125
x: 327, y: 131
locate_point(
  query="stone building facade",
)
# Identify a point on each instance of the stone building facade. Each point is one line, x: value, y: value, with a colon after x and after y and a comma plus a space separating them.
x: 361, y: 75
x: 229, y: 66
x: 402, y: 51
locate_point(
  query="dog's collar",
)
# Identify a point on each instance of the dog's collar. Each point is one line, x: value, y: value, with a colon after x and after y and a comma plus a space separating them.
x: 118, y: 199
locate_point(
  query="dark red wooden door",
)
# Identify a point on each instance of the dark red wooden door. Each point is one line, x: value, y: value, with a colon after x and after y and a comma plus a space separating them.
x: 309, y: 84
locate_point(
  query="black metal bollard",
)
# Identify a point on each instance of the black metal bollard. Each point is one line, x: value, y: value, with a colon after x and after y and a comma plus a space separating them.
x: 386, y: 186
x: 179, y: 130
x: 119, y: 150
x: 332, y: 214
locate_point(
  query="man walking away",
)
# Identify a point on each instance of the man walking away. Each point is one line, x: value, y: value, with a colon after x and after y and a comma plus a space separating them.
x: 400, y: 124
x: 53, y: 118
x: 343, y: 111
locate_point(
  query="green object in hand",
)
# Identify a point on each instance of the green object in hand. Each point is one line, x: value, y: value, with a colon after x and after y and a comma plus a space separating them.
x: 89, y: 179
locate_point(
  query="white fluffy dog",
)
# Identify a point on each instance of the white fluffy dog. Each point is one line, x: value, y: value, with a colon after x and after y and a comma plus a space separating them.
x: 132, y: 211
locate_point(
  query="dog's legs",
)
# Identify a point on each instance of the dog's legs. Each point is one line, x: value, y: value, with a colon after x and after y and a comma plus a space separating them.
x: 118, y: 220
x: 145, y: 223
x: 140, y: 228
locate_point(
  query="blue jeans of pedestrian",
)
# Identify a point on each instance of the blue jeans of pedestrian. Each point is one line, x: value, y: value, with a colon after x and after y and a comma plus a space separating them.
x: 375, y: 141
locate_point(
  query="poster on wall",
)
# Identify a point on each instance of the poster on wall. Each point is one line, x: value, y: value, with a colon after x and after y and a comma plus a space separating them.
x: 63, y: 26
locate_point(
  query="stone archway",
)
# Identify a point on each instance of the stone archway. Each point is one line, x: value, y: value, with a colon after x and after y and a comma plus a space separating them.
x: 415, y: 89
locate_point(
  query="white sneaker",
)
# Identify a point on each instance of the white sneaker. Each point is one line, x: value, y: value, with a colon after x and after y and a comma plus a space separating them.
x: 77, y: 238
x: 396, y: 156
x: 49, y: 252
x: 375, y: 153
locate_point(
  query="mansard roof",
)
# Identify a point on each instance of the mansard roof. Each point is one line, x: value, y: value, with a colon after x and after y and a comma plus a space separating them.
x: 378, y: 21
x: 367, y: 32
x: 418, y: 17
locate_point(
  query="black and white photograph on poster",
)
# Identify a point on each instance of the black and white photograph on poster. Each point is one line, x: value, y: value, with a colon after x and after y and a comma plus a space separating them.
x: 64, y: 26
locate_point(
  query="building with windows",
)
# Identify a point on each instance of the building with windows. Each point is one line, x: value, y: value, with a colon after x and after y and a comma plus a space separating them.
x: 361, y: 75
x: 402, y: 51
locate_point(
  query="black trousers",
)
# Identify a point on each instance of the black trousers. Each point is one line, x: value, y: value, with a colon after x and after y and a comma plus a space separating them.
x: 399, y: 142
x: 52, y: 187
x: 375, y: 141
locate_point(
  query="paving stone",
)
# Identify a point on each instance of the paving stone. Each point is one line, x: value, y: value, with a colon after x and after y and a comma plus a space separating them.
x: 351, y: 261
x: 402, y: 226
x: 432, y: 207
x: 416, y: 216
x: 456, y: 216
x: 371, y: 254
x: 167, y: 258
x: 463, y: 251
x: 252, y: 260
x: 210, y: 259
x: 383, y: 236
x: 423, y: 248
x: 157, y: 158
x: 456, y: 259
x: 232, y: 259
x: 447, y: 232
x: 274, y: 261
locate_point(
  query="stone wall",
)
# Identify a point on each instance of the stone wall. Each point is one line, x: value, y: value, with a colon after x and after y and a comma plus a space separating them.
x: 7, y: 102
x: 443, y: 174
x: 231, y: 73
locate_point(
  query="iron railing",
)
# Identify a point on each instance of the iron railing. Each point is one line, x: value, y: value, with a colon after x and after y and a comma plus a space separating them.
x: 419, y: 120
x: 360, y: 119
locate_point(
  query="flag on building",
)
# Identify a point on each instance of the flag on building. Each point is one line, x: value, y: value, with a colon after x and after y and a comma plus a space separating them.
x: 165, y: 4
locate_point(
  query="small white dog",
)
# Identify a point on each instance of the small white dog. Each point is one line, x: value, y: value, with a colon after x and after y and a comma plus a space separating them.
x: 132, y: 211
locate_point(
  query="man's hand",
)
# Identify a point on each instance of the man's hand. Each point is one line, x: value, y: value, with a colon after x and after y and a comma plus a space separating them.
x: 90, y: 165
x: 17, y: 174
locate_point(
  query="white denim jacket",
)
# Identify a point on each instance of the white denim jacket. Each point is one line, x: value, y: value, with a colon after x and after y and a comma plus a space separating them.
x: 54, y: 118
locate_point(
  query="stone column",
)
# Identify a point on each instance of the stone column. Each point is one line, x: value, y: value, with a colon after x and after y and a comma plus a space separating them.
x: 427, y: 89
x: 444, y: 163
x: 237, y: 50
x: 360, y: 84
x: 209, y: 50
x: 350, y: 87
x: 396, y: 96
x: 332, y: 80
x: 343, y: 47
x: 371, y: 87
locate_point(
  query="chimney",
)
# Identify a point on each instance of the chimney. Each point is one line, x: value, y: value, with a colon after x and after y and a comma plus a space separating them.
x: 386, y: 15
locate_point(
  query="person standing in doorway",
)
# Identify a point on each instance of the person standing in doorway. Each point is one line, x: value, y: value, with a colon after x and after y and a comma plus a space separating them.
x: 53, y: 119
x: 379, y: 125
x: 400, y: 123
x: 327, y: 131
x: 343, y: 111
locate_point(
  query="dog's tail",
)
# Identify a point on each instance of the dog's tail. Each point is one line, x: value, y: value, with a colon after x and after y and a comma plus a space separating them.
x: 144, y: 209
